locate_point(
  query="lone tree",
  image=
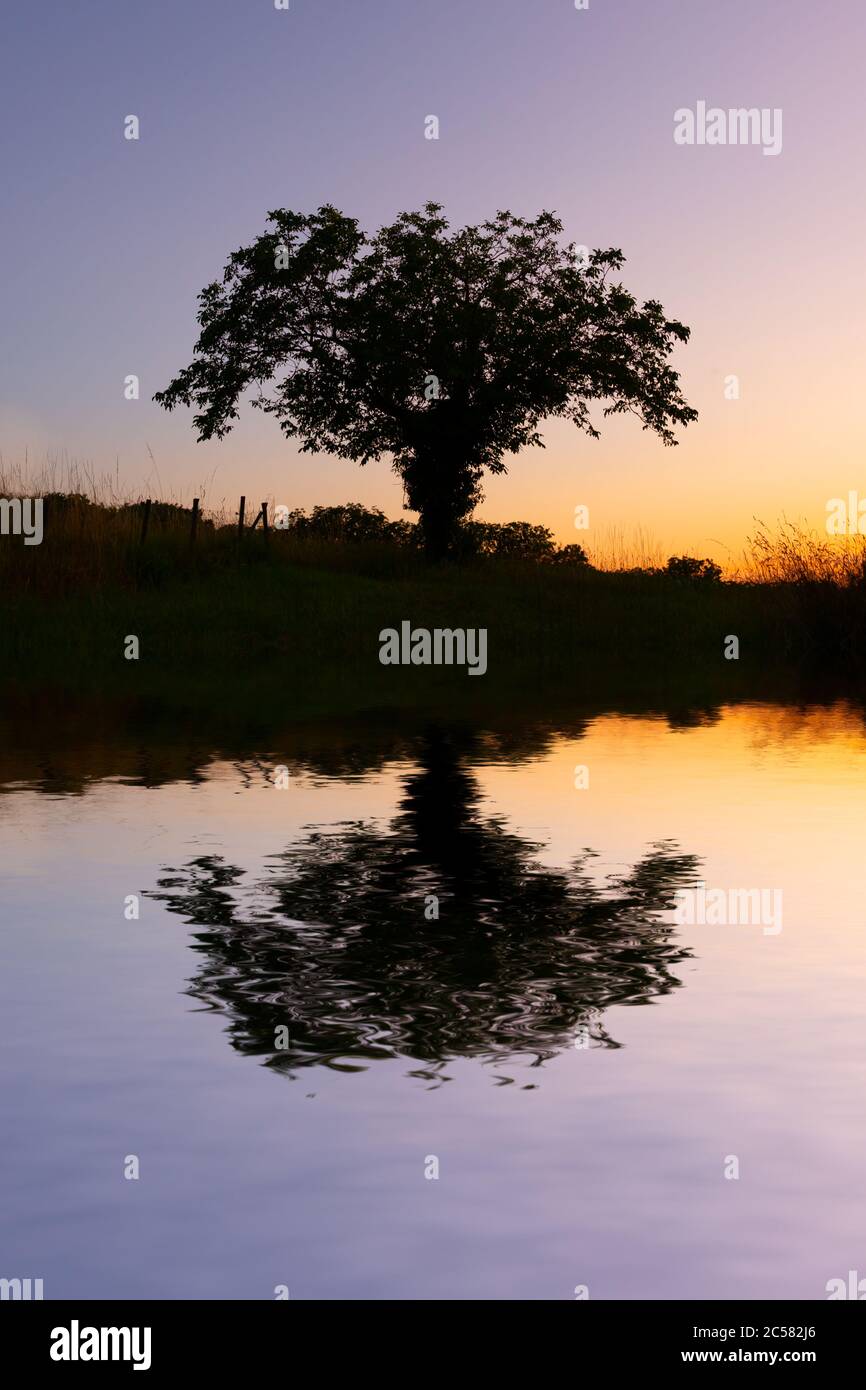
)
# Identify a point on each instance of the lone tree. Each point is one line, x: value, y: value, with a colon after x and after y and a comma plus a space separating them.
x: 445, y: 350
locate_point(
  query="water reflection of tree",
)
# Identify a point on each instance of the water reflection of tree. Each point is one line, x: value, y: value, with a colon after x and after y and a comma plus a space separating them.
x: 338, y: 943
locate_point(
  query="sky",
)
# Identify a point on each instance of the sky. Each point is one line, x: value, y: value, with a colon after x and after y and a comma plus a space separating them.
x: 106, y: 242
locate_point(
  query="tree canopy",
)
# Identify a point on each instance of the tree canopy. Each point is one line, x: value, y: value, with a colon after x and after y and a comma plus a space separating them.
x: 444, y: 350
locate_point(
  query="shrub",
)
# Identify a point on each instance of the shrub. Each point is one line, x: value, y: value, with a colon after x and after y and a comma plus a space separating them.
x: 687, y: 567
x: 352, y: 522
x: 516, y: 540
x: 570, y: 555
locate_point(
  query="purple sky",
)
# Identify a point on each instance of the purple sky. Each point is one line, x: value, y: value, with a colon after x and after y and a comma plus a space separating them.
x: 243, y: 108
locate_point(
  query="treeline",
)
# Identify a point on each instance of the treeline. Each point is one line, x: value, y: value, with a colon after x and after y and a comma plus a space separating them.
x: 88, y: 541
x: 516, y: 540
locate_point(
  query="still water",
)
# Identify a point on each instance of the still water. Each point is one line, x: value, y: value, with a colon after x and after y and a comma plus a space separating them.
x: 292, y: 1044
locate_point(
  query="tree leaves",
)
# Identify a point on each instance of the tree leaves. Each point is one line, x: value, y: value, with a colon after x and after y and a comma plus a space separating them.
x: 336, y: 335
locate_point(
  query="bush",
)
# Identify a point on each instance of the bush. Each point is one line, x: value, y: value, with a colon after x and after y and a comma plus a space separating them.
x: 687, y: 567
x: 570, y: 555
x: 352, y: 522
x: 516, y: 540
x: 164, y: 516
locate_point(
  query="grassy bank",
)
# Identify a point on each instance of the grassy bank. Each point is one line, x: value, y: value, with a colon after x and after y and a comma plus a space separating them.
x: 317, y: 628
x: 295, y: 617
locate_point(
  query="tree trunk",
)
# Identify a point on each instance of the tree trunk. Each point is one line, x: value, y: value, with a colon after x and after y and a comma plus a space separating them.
x: 442, y: 487
x: 437, y: 529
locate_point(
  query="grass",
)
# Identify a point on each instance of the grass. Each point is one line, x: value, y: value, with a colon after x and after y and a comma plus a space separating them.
x: 296, y: 619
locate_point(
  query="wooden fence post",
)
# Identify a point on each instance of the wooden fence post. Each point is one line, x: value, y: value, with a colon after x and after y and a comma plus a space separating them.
x: 241, y: 509
x: 265, y: 519
x: 194, y: 521
x: 145, y: 522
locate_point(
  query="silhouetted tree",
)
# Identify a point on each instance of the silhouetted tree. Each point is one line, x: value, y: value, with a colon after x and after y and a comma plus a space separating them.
x: 443, y: 349
x: 337, y: 943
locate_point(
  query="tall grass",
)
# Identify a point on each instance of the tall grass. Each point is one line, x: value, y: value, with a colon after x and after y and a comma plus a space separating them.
x: 619, y: 550
x: 71, y: 477
x: 798, y: 555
